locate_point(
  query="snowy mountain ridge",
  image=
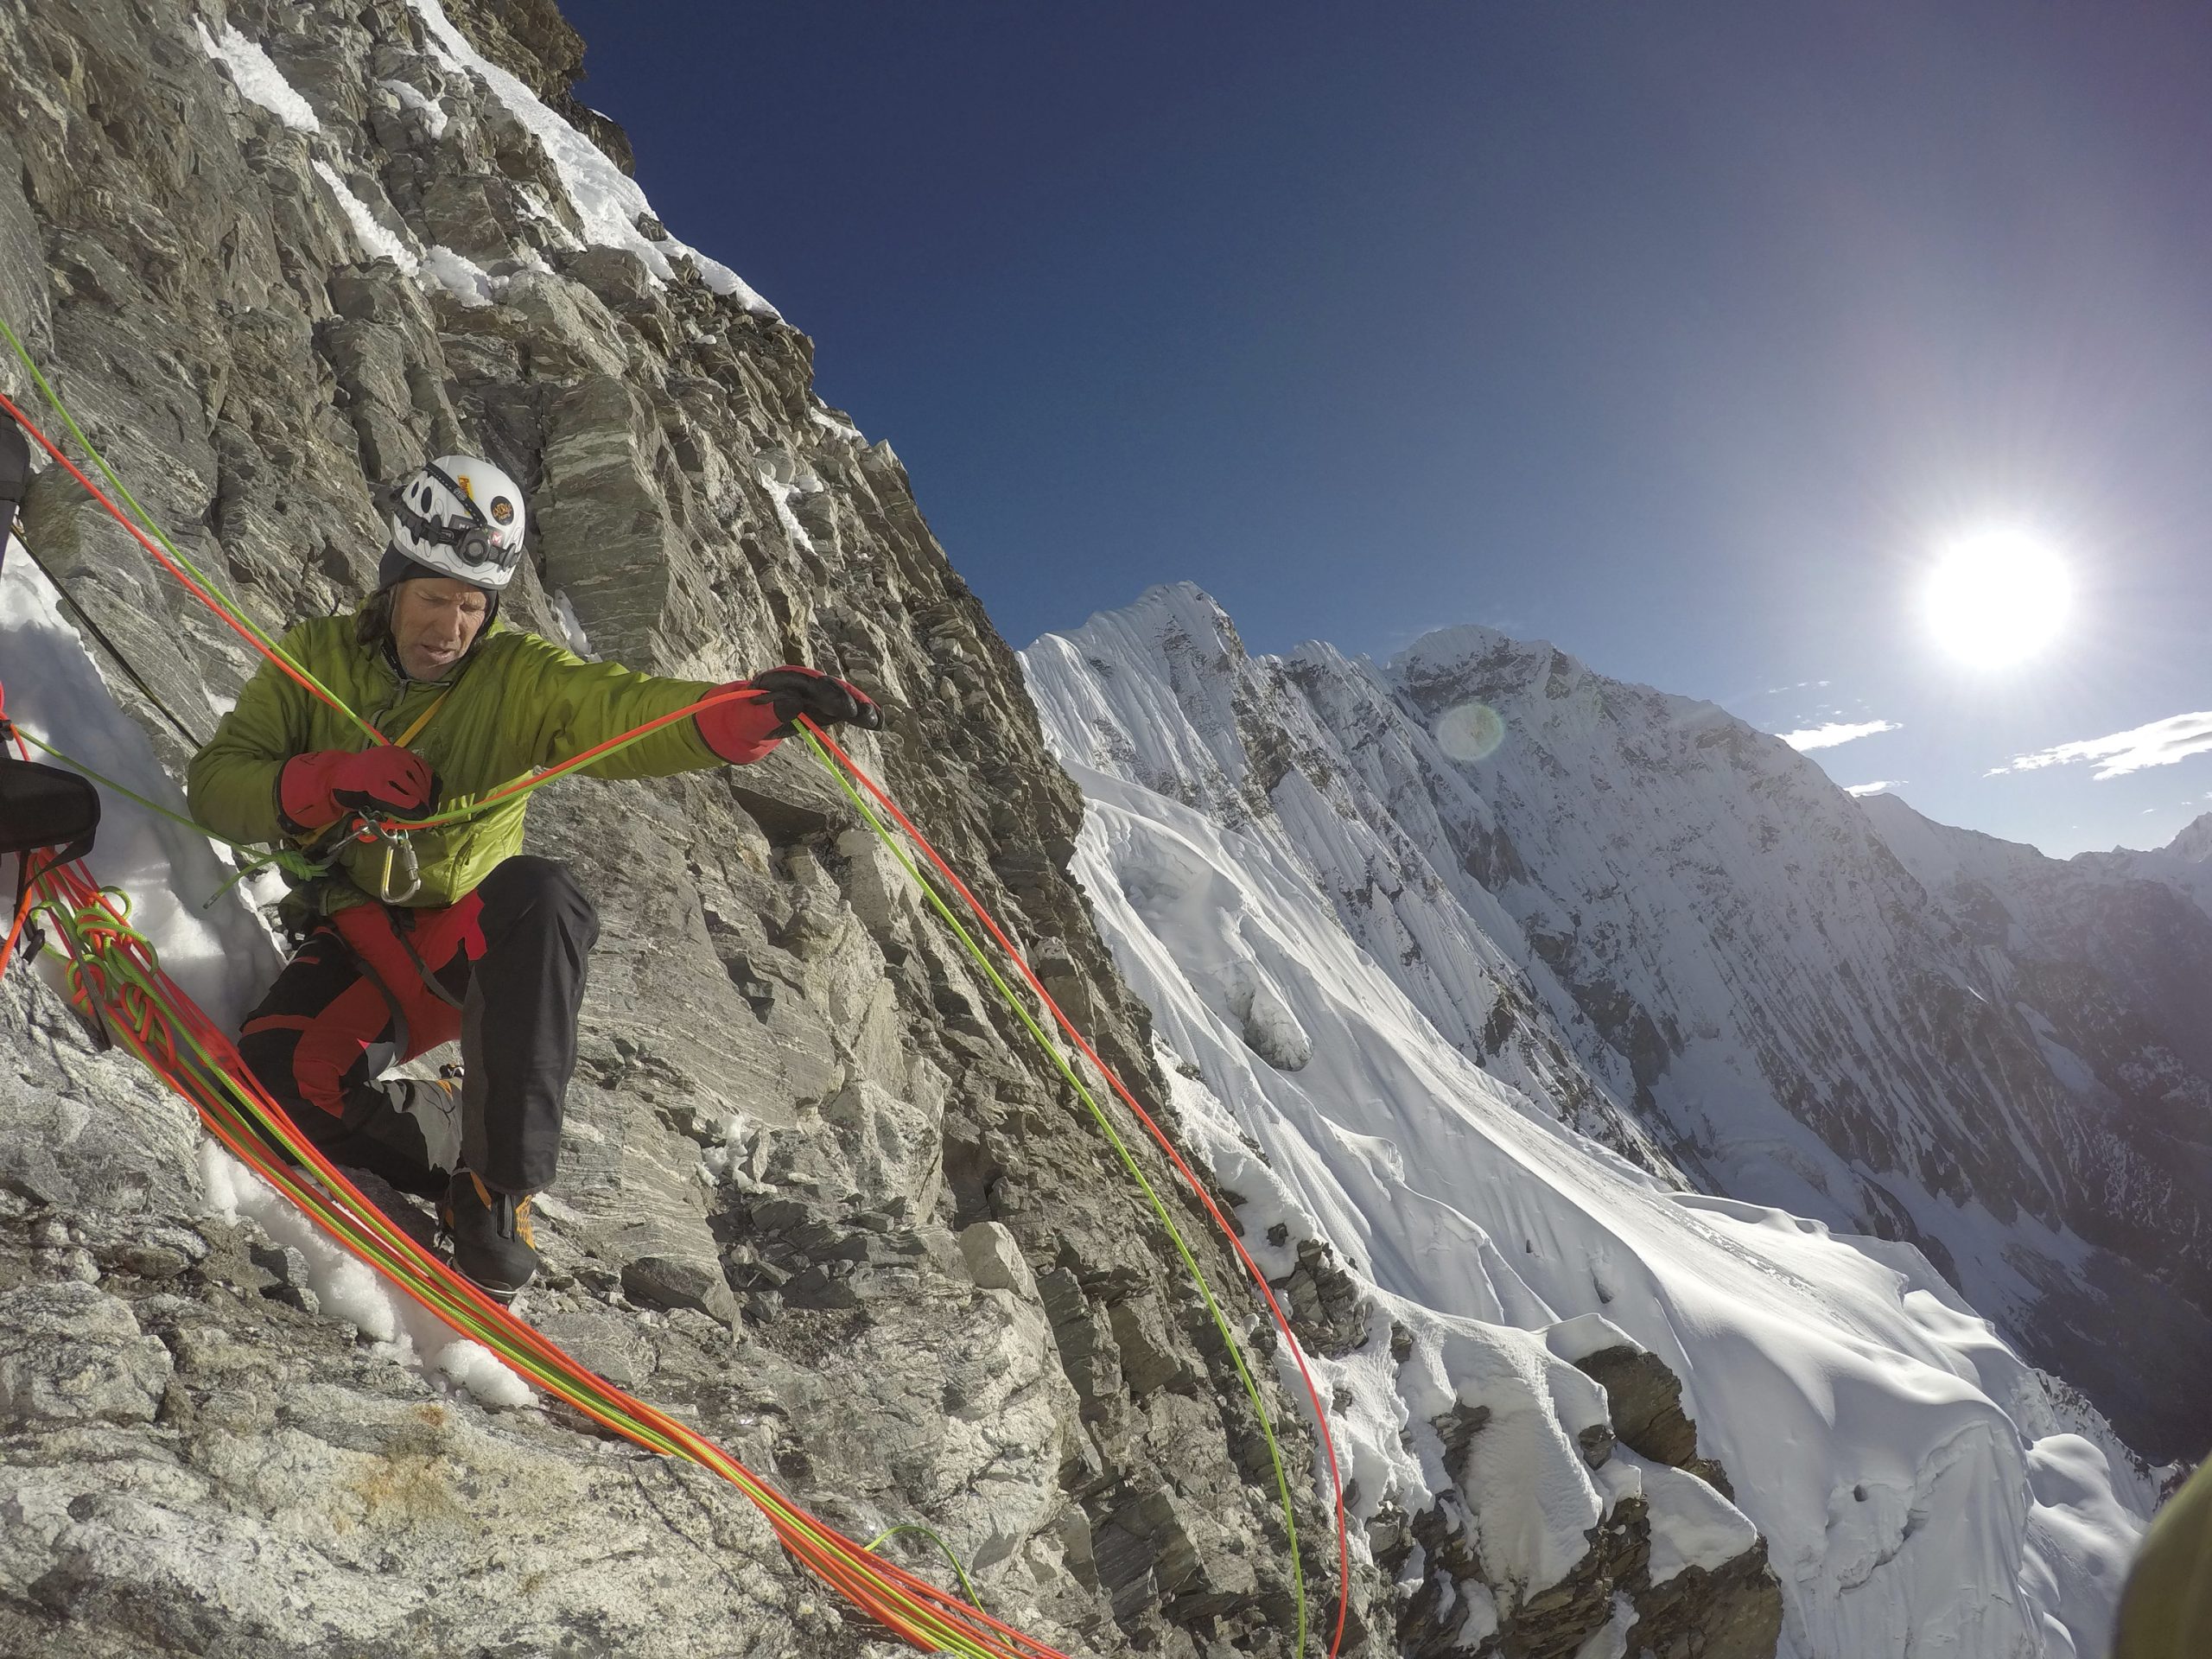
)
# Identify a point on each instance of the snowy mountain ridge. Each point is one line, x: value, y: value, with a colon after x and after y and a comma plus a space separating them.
x: 2183, y: 864
x: 1491, y: 958
x: 2192, y: 843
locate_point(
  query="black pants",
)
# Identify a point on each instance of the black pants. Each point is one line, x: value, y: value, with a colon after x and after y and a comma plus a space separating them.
x: 502, y: 969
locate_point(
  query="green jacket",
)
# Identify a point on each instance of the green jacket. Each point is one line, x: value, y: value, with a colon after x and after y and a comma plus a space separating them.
x: 2167, y: 1611
x: 518, y: 703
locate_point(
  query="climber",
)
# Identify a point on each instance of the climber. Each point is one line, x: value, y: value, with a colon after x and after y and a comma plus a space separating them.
x: 479, y: 941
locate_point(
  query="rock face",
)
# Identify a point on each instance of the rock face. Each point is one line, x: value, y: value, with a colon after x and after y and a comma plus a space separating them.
x: 819, y: 1196
x: 1678, y: 936
x: 1728, y: 1604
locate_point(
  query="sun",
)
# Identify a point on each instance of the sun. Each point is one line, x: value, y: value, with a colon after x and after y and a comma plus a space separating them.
x: 1997, y: 596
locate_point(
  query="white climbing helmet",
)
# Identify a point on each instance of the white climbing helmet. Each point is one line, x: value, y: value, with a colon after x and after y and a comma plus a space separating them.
x: 461, y: 516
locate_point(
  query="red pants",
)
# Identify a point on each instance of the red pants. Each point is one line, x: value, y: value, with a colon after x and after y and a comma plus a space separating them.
x: 502, y: 970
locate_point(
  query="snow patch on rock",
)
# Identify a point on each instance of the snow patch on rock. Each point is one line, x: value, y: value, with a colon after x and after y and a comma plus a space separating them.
x: 376, y: 241
x: 1692, y: 1525
x: 413, y: 98
x: 459, y: 276
x: 608, y: 202
x: 258, y: 80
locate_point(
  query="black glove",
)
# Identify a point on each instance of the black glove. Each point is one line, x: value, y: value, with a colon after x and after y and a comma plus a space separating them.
x: 795, y: 691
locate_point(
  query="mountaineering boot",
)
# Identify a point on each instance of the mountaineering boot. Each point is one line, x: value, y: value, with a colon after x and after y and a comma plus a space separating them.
x: 397, y: 1207
x: 493, y: 1245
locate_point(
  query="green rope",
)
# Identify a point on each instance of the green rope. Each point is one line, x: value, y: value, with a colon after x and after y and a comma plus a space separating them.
x: 224, y: 604
x: 1129, y: 1161
x: 943, y: 1550
x: 283, y: 858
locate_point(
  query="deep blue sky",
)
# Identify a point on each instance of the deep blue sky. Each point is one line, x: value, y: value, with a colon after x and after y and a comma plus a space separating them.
x: 1676, y: 334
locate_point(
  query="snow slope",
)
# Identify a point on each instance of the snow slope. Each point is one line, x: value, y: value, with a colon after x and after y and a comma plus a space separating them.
x: 1677, y: 933
x: 1918, y: 1484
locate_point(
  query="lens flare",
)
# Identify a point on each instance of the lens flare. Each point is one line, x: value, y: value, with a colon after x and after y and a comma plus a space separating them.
x: 1997, y: 596
x: 1470, y: 732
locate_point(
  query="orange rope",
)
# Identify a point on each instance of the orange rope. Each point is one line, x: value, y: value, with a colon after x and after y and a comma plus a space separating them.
x: 198, y: 592
x: 1190, y: 1180
x: 28, y: 874
x: 845, y: 1567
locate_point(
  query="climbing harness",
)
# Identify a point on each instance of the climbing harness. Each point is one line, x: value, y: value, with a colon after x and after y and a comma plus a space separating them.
x: 114, y: 975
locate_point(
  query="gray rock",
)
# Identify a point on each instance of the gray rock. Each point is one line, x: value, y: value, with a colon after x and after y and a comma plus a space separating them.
x: 1734, y: 1611
x: 1645, y: 1398
x: 994, y: 1260
x: 671, y: 1281
x: 70, y: 1353
x: 1150, y: 1358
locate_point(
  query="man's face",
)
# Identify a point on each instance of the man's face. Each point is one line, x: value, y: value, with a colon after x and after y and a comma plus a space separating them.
x: 434, y: 619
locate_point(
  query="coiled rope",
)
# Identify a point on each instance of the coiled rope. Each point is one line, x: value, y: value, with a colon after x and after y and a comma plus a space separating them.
x: 115, y: 972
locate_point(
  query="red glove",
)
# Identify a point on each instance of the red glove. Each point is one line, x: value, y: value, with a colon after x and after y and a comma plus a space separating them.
x: 314, y: 790
x: 746, y: 728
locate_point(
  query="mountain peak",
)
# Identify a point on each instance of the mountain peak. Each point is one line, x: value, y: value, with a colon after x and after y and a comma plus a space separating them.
x: 1443, y: 650
x: 1166, y: 609
x: 2194, y: 842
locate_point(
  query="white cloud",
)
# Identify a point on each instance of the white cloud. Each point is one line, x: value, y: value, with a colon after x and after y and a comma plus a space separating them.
x: 1836, y: 732
x: 1874, y: 788
x: 2159, y: 744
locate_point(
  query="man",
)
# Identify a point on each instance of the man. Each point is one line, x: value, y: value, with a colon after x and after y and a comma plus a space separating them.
x: 469, y: 938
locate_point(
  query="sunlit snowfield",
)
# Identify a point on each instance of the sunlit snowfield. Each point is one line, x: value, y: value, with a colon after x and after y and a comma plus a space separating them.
x: 1920, y: 1486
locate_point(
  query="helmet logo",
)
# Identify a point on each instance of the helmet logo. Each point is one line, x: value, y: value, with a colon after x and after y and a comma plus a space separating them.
x: 463, y: 481
x: 503, y: 510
